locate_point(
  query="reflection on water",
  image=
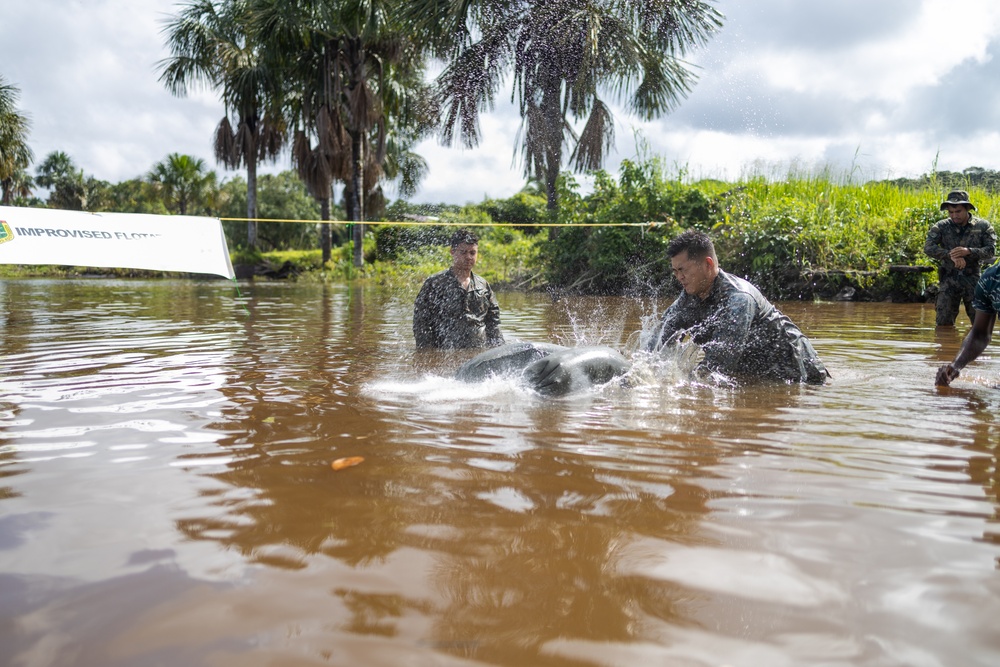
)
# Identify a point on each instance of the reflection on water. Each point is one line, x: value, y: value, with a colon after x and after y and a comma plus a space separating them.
x: 166, y: 495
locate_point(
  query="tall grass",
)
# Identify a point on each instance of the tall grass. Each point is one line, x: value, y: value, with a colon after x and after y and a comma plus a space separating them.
x: 781, y: 233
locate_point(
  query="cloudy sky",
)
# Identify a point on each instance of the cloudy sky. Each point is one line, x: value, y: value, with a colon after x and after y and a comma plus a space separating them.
x: 877, y: 89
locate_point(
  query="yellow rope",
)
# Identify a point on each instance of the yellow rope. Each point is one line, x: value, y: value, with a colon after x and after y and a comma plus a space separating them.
x: 456, y: 224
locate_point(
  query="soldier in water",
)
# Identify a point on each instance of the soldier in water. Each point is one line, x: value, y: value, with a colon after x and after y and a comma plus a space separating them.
x: 744, y: 337
x: 456, y: 308
x: 962, y: 244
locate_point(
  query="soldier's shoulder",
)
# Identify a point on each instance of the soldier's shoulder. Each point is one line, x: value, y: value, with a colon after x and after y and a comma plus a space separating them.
x: 991, y: 272
x: 439, y: 276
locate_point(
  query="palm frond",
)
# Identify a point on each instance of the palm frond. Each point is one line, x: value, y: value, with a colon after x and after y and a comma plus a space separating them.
x: 225, y: 144
x: 595, y: 140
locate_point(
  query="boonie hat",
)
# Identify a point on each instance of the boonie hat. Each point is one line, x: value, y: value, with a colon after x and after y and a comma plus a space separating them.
x: 957, y: 197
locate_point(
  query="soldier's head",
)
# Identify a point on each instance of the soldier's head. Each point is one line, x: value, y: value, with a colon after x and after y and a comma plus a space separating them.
x: 464, y: 250
x: 957, y: 205
x: 694, y: 262
x: 463, y: 236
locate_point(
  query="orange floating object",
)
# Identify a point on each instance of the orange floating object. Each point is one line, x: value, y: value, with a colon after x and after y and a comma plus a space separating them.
x: 347, y: 462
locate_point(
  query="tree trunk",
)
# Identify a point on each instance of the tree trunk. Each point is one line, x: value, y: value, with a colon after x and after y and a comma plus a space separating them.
x: 324, y: 229
x: 553, y: 136
x: 252, y: 203
x: 357, y: 198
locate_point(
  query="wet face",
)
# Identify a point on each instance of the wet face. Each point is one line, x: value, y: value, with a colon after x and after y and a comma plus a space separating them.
x: 958, y: 213
x: 694, y: 275
x: 464, y: 256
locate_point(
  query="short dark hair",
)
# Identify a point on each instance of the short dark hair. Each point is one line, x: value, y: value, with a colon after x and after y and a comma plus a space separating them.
x: 697, y: 244
x: 463, y: 236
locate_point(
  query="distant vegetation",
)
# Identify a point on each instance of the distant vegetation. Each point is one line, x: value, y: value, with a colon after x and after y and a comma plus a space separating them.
x: 801, y: 236
x: 804, y: 236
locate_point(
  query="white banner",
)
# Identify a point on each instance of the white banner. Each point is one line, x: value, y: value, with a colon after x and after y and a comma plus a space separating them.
x: 181, y: 243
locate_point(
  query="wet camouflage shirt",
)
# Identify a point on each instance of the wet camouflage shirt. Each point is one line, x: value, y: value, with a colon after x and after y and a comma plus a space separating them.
x: 742, y: 334
x: 446, y: 315
x: 977, y: 235
x: 987, y: 298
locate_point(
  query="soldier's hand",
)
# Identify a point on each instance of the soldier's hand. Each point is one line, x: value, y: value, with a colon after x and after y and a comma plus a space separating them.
x: 959, y: 263
x: 945, y: 375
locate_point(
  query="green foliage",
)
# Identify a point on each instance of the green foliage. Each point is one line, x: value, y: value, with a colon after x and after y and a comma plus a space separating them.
x: 393, y: 240
x: 303, y: 260
x: 183, y: 183
x: 15, y: 154
x: 67, y: 183
x: 246, y: 256
x: 279, y: 197
x: 134, y: 196
x: 969, y: 178
x: 403, y: 210
x: 525, y: 209
x: 631, y: 53
x: 507, y: 256
x: 792, y: 237
x: 605, y: 258
x: 775, y: 233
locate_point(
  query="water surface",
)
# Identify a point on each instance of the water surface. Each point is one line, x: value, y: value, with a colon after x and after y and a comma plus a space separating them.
x: 167, y: 498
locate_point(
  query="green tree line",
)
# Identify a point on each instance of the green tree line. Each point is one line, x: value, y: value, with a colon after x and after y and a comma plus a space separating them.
x: 802, y: 236
x: 183, y: 185
x: 342, y: 83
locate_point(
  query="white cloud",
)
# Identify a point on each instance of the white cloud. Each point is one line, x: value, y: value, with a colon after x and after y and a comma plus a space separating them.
x: 87, y: 73
x: 460, y: 176
x: 888, y: 67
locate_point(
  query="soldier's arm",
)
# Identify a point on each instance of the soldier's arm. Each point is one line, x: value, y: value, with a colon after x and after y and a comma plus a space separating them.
x: 424, y: 330
x: 988, y: 250
x: 665, y: 332
x: 975, y: 342
x: 494, y: 336
x: 933, y: 247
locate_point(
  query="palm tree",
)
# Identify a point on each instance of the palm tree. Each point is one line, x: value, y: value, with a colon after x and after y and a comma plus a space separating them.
x: 17, y: 188
x: 182, y: 182
x: 343, y: 55
x: 212, y: 43
x: 411, y: 113
x: 69, y: 187
x: 15, y: 155
x: 319, y: 141
x: 563, y: 56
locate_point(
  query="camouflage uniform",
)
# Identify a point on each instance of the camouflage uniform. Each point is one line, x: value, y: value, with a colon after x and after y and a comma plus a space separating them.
x: 447, y: 315
x: 957, y: 286
x: 987, y: 298
x: 742, y: 334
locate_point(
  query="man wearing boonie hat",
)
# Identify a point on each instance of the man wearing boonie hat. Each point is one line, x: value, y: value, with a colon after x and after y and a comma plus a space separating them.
x: 962, y: 244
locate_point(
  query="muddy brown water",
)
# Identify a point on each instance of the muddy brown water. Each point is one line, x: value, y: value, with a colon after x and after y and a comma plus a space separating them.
x: 167, y: 495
